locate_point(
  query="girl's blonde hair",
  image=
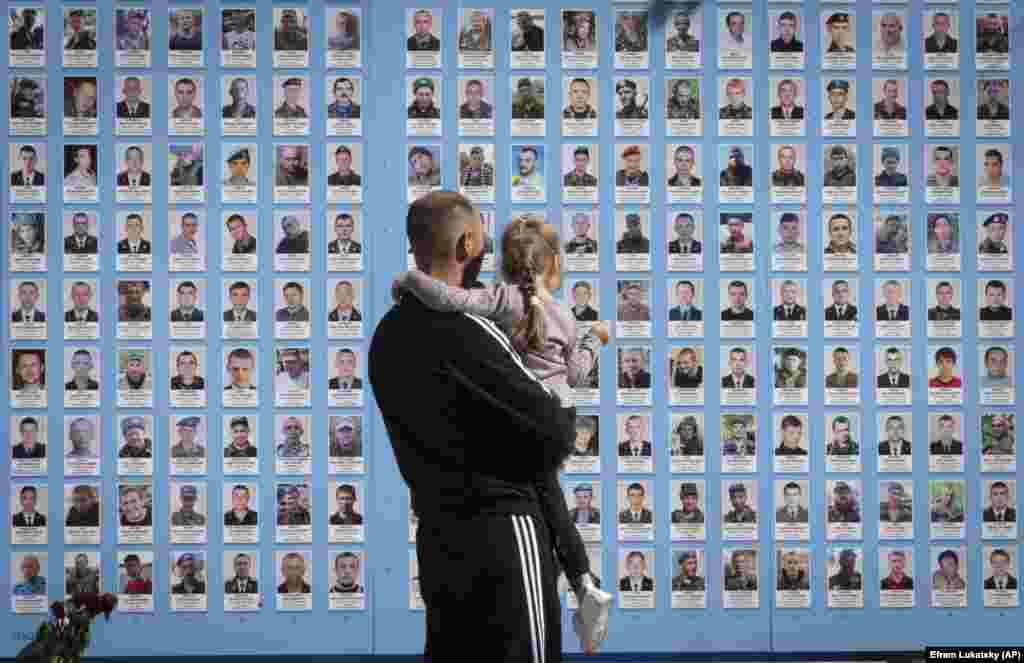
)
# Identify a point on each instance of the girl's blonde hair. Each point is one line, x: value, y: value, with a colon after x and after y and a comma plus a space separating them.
x: 529, y: 248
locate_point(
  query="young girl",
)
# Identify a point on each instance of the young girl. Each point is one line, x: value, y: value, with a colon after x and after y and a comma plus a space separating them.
x: 544, y: 332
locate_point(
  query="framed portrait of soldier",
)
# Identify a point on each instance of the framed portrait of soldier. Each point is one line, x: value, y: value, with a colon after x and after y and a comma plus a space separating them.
x: 81, y: 184
x: 187, y: 511
x: 476, y: 168
x: 736, y: 241
x: 241, y: 575
x: 240, y: 437
x: 583, y: 498
x: 838, y: 30
x: 633, y: 309
x: 845, y: 502
x: 944, y: 308
x: 344, y: 113
x: 789, y: 366
x: 187, y: 173
x: 896, y: 569
x: 528, y: 103
x: 423, y: 45
x: 135, y: 446
x: 26, y: 27
x: 132, y: 46
x: 999, y: 509
x: 738, y: 448
x: 632, y: 117
x: 81, y: 240
x: 789, y: 241
x: 292, y: 250
x: 580, y: 106
x: 134, y: 512
x: 424, y: 171
x: 740, y: 578
x: 686, y: 308
x: 292, y: 377
x: 292, y: 313
x: 82, y: 367
x: 690, y: 499
x: 842, y: 374
x: 686, y: 250
x: 735, y: 108
x: 738, y: 368
x: 896, y: 509
x: 133, y: 173
x: 793, y: 577
x: 82, y: 572
x: 346, y: 453
x: 28, y: 436
x: 633, y: 246
x: 995, y: 316
x: 942, y: 169
x: 345, y: 240
x: 346, y: 505
x: 635, y: 506
x: 892, y: 375
x: 344, y: 305
x: 186, y: 47
x: 28, y: 508
x: 134, y: 377
x: 291, y: 105
x: 788, y: 181
x: 948, y: 575
x: 82, y: 513
x: 891, y: 171
x: 947, y: 505
x: 683, y: 107
x: 632, y: 177
x: 634, y: 376
x: 840, y: 235
x: 238, y: 110
x: 999, y: 570
x: 942, y: 109
x: 579, y: 165
x: 476, y: 38
x: 992, y: 39
x: 889, y: 44
x: 239, y: 173
x: 787, y: 32
x: 188, y: 309
x: 80, y: 106
x: 792, y: 437
x: 28, y: 309
x: 346, y: 386
x: 134, y: 240
x: 994, y: 107
x: 293, y: 510
x: 739, y: 510
x: 241, y: 518
x: 135, y: 580
x: 683, y: 40
x: 291, y: 173
x: 188, y: 377
x: 893, y: 240
x: 636, y: 573
x: 345, y: 182
x: 995, y: 169
x: 27, y: 174
x: 187, y: 577
x: 291, y: 37
x: 685, y: 184
x: 842, y: 440
x: 943, y: 228
x: 344, y: 37
x: 789, y: 308
x: 28, y: 106
x: 996, y: 365
x: 28, y: 377
x: 81, y: 445
x: 580, y: 253
x: 585, y: 456
x: 241, y: 306
x: 893, y: 315
x: 736, y: 305
x: 844, y: 577
x: 736, y: 173
x: 998, y: 441
x: 238, y: 38
x: 940, y: 29
x: 635, y: 449
x: 632, y: 44
x: 346, y: 569
x: 889, y: 109
x: 28, y: 587
x: 188, y: 106
x: 839, y: 101
x: 189, y: 445
x: 187, y: 242
x: 526, y: 38
x: 686, y: 439
x: 241, y: 377
x: 840, y: 178
x: 579, y: 36
x: 735, y: 38
x: 792, y: 501
x: 476, y: 105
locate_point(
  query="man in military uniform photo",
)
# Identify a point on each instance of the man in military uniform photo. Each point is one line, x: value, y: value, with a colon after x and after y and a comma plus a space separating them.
x: 687, y: 580
x: 684, y: 227
x: 291, y: 108
x: 838, y: 94
x: 422, y: 39
x: 185, y: 90
x: 344, y: 175
x: 292, y: 446
x: 841, y: 172
x: 243, y: 582
x: 840, y: 32
x: 134, y: 510
x: 890, y: 176
x: 741, y: 511
x: 580, y: 242
x: 525, y: 104
x: 632, y: 174
x: 584, y: 513
x: 296, y: 238
x: 136, y: 444
x: 344, y: 441
x: 345, y: 363
x: 848, y: 578
x: 289, y: 35
x: 422, y: 106
x: 791, y: 577
x: 736, y: 241
x: 787, y: 174
x: 844, y: 507
x: 291, y: 166
x: 741, y: 572
x: 682, y: 40
x: 343, y: 244
x: 240, y: 446
x: 631, y: 32
x: 80, y: 242
x: 579, y: 176
x: 579, y: 107
x: 240, y: 514
x: 736, y: 172
x: 737, y: 108
x: 291, y: 510
x: 683, y: 160
x: 633, y: 240
x: 135, y: 376
x: 897, y: 580
x: 683, y: 105
x: 134, y: 243
x: 476, y: 171
x: 897, y: 508
x: 690, y: 512
x: 635, y: 511
x: 344, y: 104
x: 995, y: 235
x: 191, y: 583
x: 187, y: 516
x: 82, y: 365
x: 425, y: 173
x: 186, y: 447
x: 789, y: 235
x: 631, y: 107
x: 238, y: 173
x: 239, y: 108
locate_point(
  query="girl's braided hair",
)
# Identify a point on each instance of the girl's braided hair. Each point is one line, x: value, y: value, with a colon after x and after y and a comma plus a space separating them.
x: 528, y: 246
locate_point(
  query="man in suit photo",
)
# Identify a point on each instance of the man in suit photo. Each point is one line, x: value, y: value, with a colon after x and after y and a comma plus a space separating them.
x: 80, y: 242
x: 787, y: 108
x: 80, y: 311
x: 132, y: 107
x: 685, y: 310
x: 345, y: 309
x: 684, y: 243
x: 344, y: 226
x: 134, y: 243
x: 895, y: 443
x: 31, y: 444
x: 345, y: 363
x: 737, y: 377
x: 28, y: 300
x: 841, y: 309
x: 28, y: 517
x: 636, y: 512
x: 294, y: 309
x: 636, y: 578
x: 239, y: 294
x: 999, y: 509
x: 633, y: 374
x: 893, y: 377
x: 27, y: 175
x: 187, y: 311
x: 946, y: 443
x: 741, y: 572
x: 584, y: 513
x: 792, y: 511
x: 81, y: 366
x: 243, y: 243
x: 1001, y: 579
x: 243, y: 582
x: 133, y: 175
x: 893, y: 309
x: 943, y: 310
x: 635, y: 444
x: 240, y: 514
x: 241, y: 364
x: 789, y: 310
x: 940, y: 41
x: 995, y: 308
x: 737, y: 309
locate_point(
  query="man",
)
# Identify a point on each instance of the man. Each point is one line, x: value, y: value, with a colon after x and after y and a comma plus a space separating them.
x: 947, y: 576
x: 187, y: 516
x: 631, y: 32
x: 291, y: 107
x: 133, y: 175
x: 424, y: 172
x: 841, y: 173
x: 187, y: 446
x: 735, y: 37
x: 344, y: 310
x: 80, y: 242
x: 991, y: 106
x: 136, y: 444
x: 792, y: 511
x: 633, y: 374
x: 242, y: 583
x: 893, y: 309
x: 684, y: 226
x: 943, y: 239
x: 893, y: 237
x: 1001, y: 579
x: 135, y: 377
x: 848, y: 578
x: 189, y: 35
x: 995, y: 309
x: 346, y: 571
x: 842, y: 377
x: 477, y: 36
x: 30, y: 376
x: 81, y: 579
x: 792, y: 374
x: 446, y: 235
x: 682, y: 105
x: 293, y: 569
x: 789, y: 235
x: 945, y: 360
x: 27, y: 175
x: 532, y: 35
x: 343, y: 244
x: 239, y: 293
x: 688, y: 580
x: 940, y: 108
x: 344, y: 105
x: 688, y: 374
x: 792, y: 437
x: 291, y: 166
x: 81, y: 435
x: 135, y: 36
x: 289, y: 35
x: 999, y: 509
x: 81, y: 366
x: 897, y: 508
x: 185, y: 96
x: 191, y: 583
x: 992, y: 38
x: 840, y: 33
x: 28, y: 99
x: 528, y: 175
x: 690, y: 512
x: 635, y: 445
x: 187, y: 242
x: 295, y: 240
x: 897, y: 580
x: 292, y: 446
x: 581, y: 309
x: 737, y: 438
x: 134, y: 243
x: 188, y: 166
x: 632, y: 307
x: 683, y: 160
x: 789, y: 309
x: 741, y: 511
x: 841, y: 309
x: 787, y: 108
x: 293, y: 376
x: 28, y: 298
x: 893, y: 377
x: 239, y: 108
x: 81, y: 103
x: 240, y: 514
x: 741, y: 572
x: 737, y: 310
x: 29, y: 447
x: 238, y: 168
x: 294, y: 309
x: 291, y: 508
x: 685, y: 310
x: 791, y: 577
x: 636, y: 579
x: 682, y: 40
x: 944, y: 309
x: 633, y: 240
x: 134, y: 510
x: 889, y: 108
x: 635, y: 511
x: 632, y: 174
x: 736, y: 241
x: 787, y: 42
x: 844, y: 507
x: 992, y: 172
x: 890, y: 176
x: 28, y: 517
x: 946, y: 444
x: 422, y: 107
x: 942, y: 168
x: 838, y: 94
x: 940, y: 41
x: 133, y: 582
x: 579, y: 176
x: 187, y: 378
x: 525, y: 104
x: 422, y: 39
x: 344, y: 175
x: 345, y: 496
x: 997, y: 364
x: 28, y: 36
x: 737, y: 377
x: 344, y: 443
x: 580, y: 243
x: 890, y: 42
x: 629, y: 109
x: 787, y: 174
x: 737, y: 108
x: 85, y: 507
x: 584, y: 512
x: 240, y: 446
x: 345, y: 362
x: 736, y: 172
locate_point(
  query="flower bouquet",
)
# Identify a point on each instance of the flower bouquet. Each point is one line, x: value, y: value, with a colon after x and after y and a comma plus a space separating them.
x: 64, y: 636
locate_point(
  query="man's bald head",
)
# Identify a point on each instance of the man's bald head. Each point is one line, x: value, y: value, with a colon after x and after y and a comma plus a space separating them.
x: 445, y: 233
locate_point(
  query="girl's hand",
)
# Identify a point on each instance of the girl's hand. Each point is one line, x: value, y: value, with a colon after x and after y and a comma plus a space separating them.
x: 397, y: 288
x: 600, y: 330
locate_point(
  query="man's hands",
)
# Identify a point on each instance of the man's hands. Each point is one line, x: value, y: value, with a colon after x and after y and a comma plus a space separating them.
x: 600, y: 330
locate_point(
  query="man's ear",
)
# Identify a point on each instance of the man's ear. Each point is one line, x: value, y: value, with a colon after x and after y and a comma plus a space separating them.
x: 462, y: 247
